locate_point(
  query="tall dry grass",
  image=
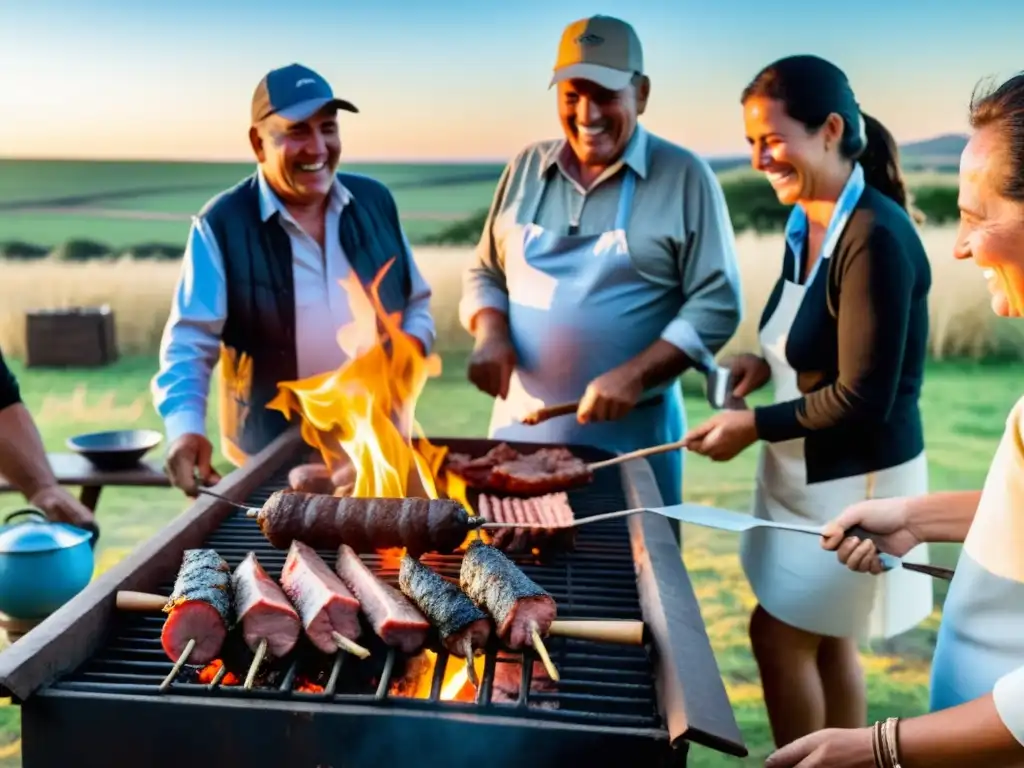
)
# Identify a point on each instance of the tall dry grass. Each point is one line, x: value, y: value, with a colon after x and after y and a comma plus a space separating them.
x: 139, y: 293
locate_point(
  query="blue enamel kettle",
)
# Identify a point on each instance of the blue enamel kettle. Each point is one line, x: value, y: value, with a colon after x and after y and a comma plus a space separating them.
x: 43, y: 564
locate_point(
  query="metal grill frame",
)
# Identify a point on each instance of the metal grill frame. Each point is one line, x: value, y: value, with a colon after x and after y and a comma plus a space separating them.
x: 693, y: 709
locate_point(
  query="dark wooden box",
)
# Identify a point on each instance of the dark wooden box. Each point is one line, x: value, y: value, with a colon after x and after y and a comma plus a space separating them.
x: 76, y: 337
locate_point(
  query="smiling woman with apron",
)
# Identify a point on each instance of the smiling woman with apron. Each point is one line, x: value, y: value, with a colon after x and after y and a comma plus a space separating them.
x: 843, y: 340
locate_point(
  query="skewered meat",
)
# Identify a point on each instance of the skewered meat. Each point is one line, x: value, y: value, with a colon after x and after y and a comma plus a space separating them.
x: 324, y: 604
x: 505, y: 470
x: 460, y: 623
x: 199, y: 607
x: 263, y: 609
x: 395, y: 620
x: 311, y: 478
x: 515, y: 601
x: 366, y: 525
x: 551, y: 511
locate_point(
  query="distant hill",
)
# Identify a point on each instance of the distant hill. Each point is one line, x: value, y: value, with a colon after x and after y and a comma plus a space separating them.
x: 939, y: 153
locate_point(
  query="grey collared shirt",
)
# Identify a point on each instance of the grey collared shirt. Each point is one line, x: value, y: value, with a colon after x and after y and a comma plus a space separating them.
x: 679, y: 232
x: 191, y: 342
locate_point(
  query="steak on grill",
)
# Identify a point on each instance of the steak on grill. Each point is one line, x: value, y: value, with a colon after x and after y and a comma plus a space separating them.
x: 263, y: 609
x: 461, y: 625
x: 516, y: 602
x: 199, y: 607
x: 395, y: 619
x: 505, y: 470
x: 324, y: 603
x: 365, y: 524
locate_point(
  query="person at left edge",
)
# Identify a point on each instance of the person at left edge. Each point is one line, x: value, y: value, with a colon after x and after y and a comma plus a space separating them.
x: 261, y: 272
x: 607, y: 262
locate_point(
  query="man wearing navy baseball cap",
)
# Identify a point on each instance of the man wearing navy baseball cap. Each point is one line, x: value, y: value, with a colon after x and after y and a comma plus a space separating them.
x: 259, y: 286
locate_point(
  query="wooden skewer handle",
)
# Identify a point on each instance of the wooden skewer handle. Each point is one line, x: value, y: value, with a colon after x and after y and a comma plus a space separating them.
x: 139, y: 601
x: 620, y: 632
x: 543, y: 414
x: 679, y: 444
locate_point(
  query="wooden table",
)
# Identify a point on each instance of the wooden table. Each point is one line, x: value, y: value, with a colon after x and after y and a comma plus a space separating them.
x: 72, y: 469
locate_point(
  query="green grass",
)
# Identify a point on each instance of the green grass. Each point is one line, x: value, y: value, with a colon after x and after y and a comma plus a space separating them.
x: 964, y: 407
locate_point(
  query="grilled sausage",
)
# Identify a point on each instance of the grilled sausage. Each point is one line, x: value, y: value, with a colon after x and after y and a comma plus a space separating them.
x: 311, y: 478
x: 365, y: 524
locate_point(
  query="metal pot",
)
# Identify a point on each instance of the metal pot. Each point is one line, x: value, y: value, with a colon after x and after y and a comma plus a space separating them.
x: 42, y: 564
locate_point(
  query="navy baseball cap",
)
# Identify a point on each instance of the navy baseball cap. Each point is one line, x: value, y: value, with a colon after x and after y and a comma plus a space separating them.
x: 295, y: 92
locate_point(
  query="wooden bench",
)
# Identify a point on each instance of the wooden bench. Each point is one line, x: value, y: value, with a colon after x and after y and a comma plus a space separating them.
x: 72, y: 469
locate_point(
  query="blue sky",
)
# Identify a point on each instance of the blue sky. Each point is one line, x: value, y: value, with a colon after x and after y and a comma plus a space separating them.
x: 453, y: 79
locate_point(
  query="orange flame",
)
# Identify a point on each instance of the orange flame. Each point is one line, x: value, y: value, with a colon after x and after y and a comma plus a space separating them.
x: 419, y: 677
x: 365, y: 410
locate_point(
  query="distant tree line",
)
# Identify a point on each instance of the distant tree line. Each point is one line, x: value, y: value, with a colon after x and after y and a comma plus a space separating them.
x: 752, y: 206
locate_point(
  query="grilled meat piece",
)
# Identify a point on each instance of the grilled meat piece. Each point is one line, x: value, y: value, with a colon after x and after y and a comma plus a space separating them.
x: 263, y: 610
x: 515, y: 601
x: 199, y: 607
x: 508, y: 677
x: 505, y: 470
x: 324, y: 603
x: 460, y: 623
x: 551, y: 513
x: 311, y: 478
x: 395, y: 620
x: 366, y: 525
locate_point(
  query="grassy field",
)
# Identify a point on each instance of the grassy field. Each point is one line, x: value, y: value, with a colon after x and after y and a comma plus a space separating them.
x: 961, y: 437
x: 123, y: 203
x: 139, y: 293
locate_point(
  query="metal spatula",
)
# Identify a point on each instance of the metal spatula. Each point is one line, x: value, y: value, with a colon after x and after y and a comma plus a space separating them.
x: 728, y: 520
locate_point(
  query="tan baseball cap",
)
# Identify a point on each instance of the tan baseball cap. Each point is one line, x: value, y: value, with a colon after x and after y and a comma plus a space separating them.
x: 602, y: 49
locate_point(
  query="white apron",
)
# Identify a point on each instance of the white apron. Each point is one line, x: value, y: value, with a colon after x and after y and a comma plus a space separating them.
x: 577, y: 309
x: 793, y: 578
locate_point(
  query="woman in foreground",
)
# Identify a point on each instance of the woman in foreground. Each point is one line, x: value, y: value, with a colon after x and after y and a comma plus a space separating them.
x: 843, y: 338
x: 977, y: 697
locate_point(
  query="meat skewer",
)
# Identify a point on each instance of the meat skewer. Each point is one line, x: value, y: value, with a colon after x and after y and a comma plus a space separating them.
x: 329, y: 612
x: 395, y: 619
x: 365, y: 524
x: 464, y: 628
x: 198, y: 611
x: 522, y: 610
x: 270, y: 624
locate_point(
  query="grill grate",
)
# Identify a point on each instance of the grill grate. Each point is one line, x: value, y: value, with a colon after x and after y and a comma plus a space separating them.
x: 601, y: 684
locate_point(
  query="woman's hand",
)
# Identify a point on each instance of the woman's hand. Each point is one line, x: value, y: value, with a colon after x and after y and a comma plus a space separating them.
x: 829, y: 748
x: 722, y: 436
x: 749, y: 373
x: 886, y: 518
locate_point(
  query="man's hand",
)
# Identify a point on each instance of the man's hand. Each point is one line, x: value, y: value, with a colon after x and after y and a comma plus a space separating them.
x: 828, y: 748
x: 610, y: 396
x: 494, y: 357
x: 60, y: 506
x: 189, y: 464
x: 723, y: 436
x: 884, y: 517
x: 749, y: 373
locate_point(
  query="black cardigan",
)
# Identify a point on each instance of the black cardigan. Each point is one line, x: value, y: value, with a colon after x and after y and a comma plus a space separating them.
x: 10, y: 393
x: 858, y: 344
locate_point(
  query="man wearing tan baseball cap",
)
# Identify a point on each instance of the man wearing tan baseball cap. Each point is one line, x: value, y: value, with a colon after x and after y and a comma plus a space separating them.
x: 606, y: 268
x: 601, y: 49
